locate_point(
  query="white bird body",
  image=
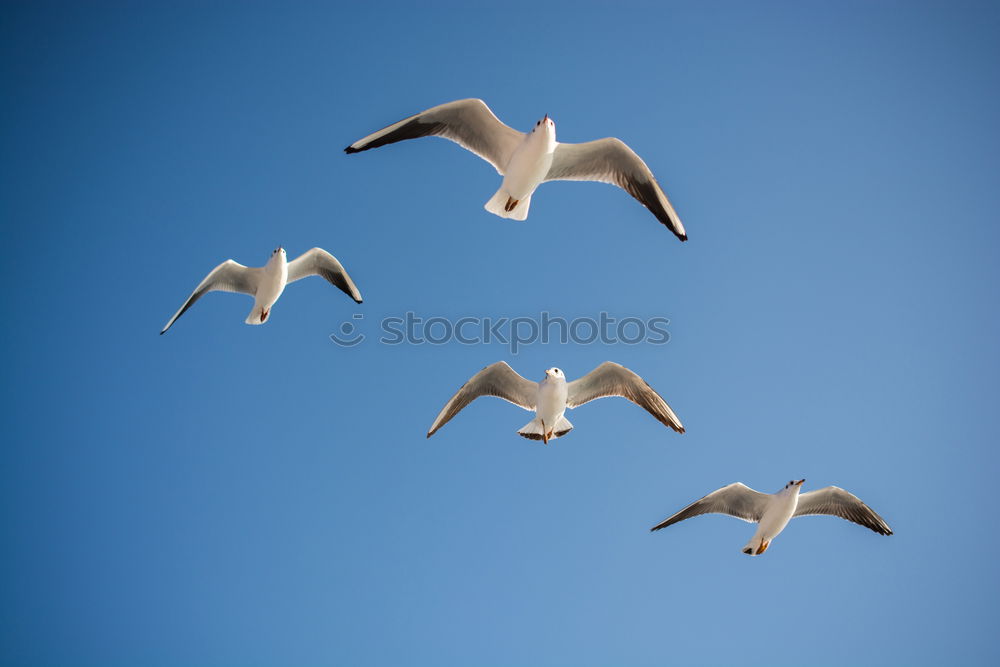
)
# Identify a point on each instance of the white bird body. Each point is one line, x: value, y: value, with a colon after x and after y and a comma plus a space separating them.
x: 267, y: 283
x: 271, y: 283
x: 524, y: 172
x: 779, y: 511
x: 551, y: 406
x: 550, y: 398
x: 531, y: 161
x: 773, y: 511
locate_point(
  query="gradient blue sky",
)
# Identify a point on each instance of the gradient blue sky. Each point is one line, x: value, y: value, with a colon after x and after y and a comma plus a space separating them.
x: 234, y: 495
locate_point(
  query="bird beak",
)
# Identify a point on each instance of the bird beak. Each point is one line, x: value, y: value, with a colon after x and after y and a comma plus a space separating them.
x: 799, y: 483
x: 546, y: 117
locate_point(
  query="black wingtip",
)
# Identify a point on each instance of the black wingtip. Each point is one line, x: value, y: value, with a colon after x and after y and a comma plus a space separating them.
x: 163, y: 332
x: 682, y: 237
x: 358, y: 300
x: 351, y: 149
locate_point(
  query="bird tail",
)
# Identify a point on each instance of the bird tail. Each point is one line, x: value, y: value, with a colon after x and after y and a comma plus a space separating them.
x: 756, y: 546
x: 533, y: 430
x: 258, y: 315
x: 505, y: 206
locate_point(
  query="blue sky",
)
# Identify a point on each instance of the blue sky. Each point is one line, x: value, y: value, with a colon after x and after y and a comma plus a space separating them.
x: 227, y: 494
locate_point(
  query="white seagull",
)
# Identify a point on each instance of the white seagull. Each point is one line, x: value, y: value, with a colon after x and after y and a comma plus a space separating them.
x: 550, y: 397
x: 526, y: 160
x: 773, y: 511
x: 265, y: 284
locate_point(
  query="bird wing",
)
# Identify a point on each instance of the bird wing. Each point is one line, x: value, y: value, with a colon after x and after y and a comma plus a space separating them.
x: 736, y: 500
x: 611, y: 379
x: 498, y: 380
x: 835, y: 501
x: 612, y: 161
x: 318, y: 262
x: 229, y: 276
x: 469, y: 123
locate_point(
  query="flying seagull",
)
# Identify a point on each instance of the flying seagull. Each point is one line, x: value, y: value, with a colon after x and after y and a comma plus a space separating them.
x: 265, y: 284
x: 550, y: 397
x: 526, y: 160
x: 773, y: 511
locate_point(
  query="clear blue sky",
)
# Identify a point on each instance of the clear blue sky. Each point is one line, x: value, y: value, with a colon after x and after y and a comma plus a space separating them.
x: 234, y: 495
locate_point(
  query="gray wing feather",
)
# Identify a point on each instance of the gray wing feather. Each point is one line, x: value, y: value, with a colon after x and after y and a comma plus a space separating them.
x: 835, y: 501
x: 229, y: 276
x: 469, y: 123
x: 318, y: 262
x: 498, y: 380
x: 611, y: 379
x: 612, y: 161
x: 736, y: 500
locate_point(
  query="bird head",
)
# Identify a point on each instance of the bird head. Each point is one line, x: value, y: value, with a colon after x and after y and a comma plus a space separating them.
x: 554, y: 373
x: 794, y: 484
x: 546, y: 126
x: 277, y: 257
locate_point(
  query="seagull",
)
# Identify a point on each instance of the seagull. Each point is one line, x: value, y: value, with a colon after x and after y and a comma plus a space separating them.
x: 526, y: 160
x: 550, y: 397
x: 265, y: 284
x: 773, y: 511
